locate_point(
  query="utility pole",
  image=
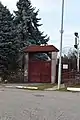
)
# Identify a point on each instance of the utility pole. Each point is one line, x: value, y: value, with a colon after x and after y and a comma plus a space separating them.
x: 60, y: 57
x: 78, y: 56
x: 77, y: 47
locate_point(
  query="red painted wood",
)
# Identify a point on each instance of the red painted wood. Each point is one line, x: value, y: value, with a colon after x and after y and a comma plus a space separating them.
x: 39, y: 71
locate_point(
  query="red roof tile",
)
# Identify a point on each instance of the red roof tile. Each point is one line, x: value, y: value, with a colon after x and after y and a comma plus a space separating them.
x: 48, y: 48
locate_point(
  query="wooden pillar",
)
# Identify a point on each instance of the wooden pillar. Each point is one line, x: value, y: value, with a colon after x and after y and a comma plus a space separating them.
x: 26, y: 68
x: 53, y: 67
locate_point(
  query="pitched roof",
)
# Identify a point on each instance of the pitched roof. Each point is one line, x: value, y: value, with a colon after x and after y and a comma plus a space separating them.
x: 35, y: 48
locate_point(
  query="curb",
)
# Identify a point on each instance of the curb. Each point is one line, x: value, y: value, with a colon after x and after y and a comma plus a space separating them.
x: 30, y: 88
x: 73, y: 89
x: 50, y: 89
x: 22, y: 87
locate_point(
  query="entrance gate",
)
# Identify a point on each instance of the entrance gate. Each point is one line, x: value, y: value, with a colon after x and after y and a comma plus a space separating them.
x: 39, y: 71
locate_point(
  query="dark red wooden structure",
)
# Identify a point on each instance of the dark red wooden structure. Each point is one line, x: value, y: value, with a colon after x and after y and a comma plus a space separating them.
x: 39, y: 71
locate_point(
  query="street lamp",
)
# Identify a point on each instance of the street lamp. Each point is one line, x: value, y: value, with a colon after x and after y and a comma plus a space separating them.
x: 60, y: 57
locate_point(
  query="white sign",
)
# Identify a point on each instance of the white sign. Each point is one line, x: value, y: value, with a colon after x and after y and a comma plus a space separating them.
x: 65, y: 66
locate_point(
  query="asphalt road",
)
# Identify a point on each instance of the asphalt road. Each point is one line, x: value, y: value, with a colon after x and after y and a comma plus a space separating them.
x: 18, y: 104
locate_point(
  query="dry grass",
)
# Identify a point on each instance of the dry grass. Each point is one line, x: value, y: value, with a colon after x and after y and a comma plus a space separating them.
x: 76, y: 86
x: 43, y: 86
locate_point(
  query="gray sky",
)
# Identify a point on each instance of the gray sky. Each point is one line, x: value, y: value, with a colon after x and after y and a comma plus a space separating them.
x: 50, y: 12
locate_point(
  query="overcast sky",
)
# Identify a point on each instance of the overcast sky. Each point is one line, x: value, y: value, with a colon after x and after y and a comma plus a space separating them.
x: 50, y: 12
